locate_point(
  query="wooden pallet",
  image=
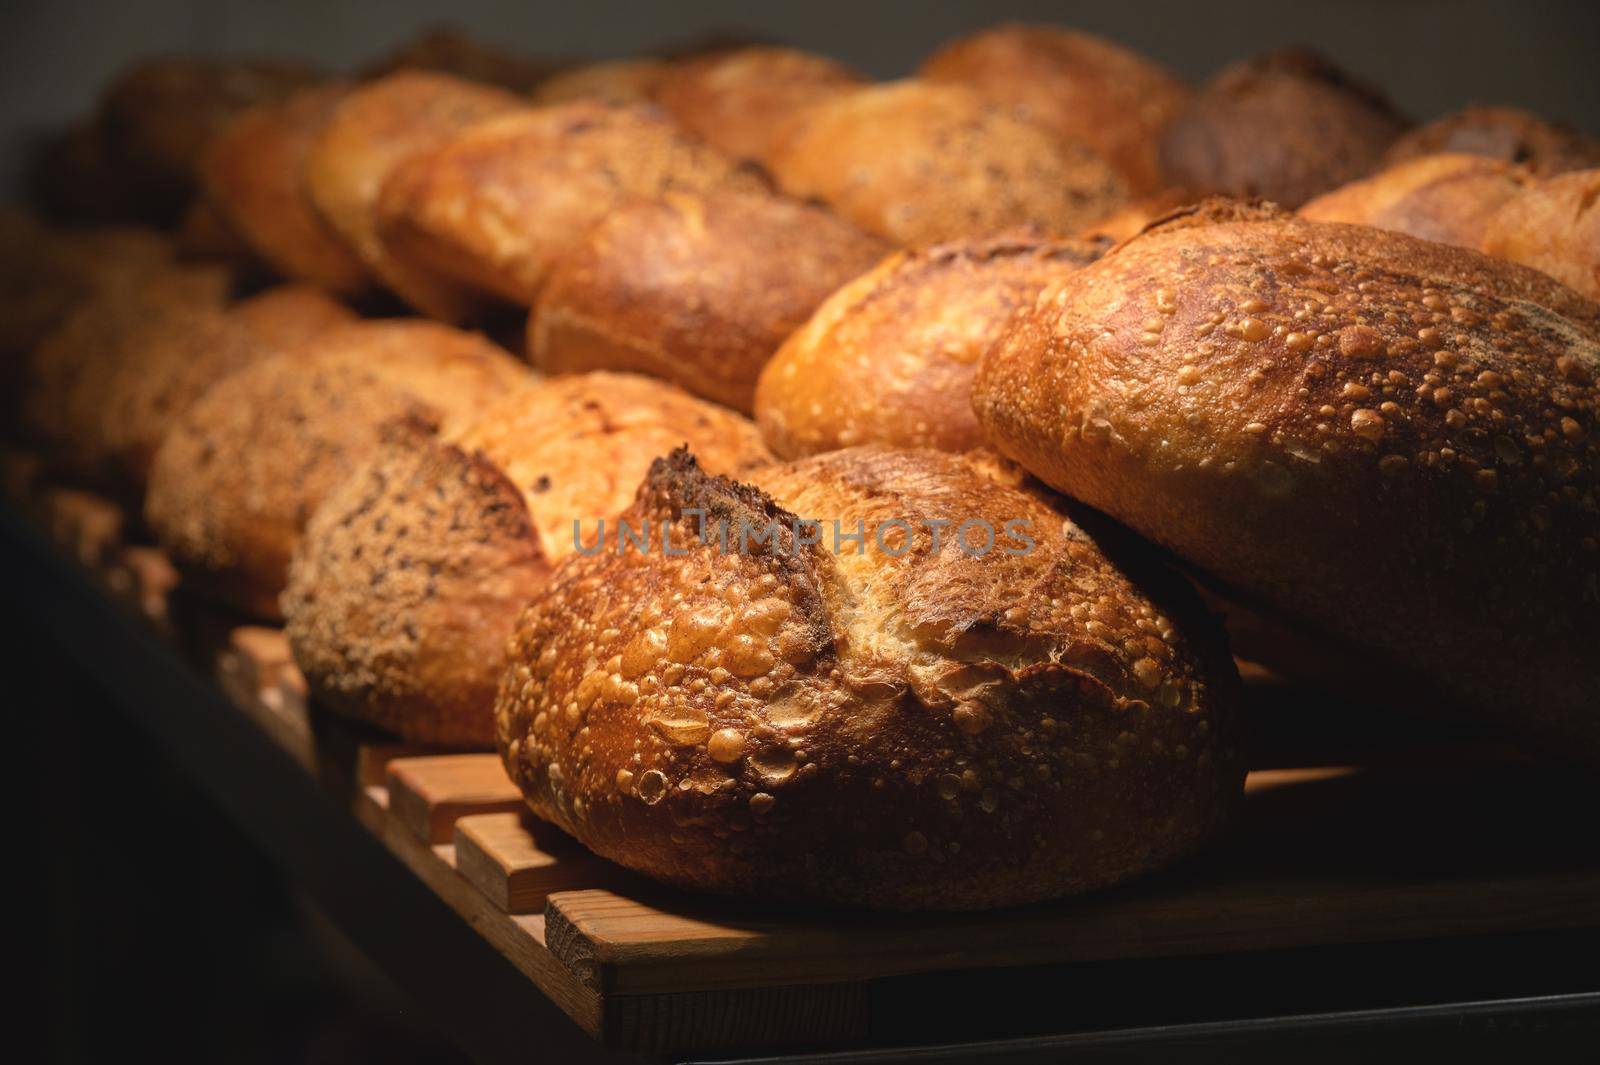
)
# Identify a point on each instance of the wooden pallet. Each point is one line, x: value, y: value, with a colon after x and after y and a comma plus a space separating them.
x: 1465, y: 844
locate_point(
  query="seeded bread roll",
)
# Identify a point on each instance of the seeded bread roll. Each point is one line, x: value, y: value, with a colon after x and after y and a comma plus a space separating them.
x: 689, y: 288
x: 1085, y: 87
x: 917, y: 163
x: 498, y: 204
x: 914, y: 327
x: 1448, y: 198
x: 1553, y: 226
x: 252, y: 173
x: 158, y: 115
x: 371, y: 132
x: 913, y: 727
x: 238, y: 476
x: 1392, y: 441
x: 1506, y: 133
x: 739, y: 100
x: 411, y: 575
x: 1285, y: 126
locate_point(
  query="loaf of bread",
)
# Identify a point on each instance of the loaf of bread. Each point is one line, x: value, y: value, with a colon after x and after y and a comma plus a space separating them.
x: 1284, y: 126
x: 1553, y: 226
x: 496, y: 205
x: 371, y: 132
x: 614, y: 81
x: 889, y: 358
x: 1132, y: 217
x: 445, y: 49
x: 739, y: 100
x: 696, y: 288
x: 1448, y: 198
x: 411, y: 575
x: 919, y: 725
x: 252, y: 173
x: 1509, y: 134
x: 1085, y: 87
x: 1392, y: 440
x: 157, y: 116
x: 918, y: 163
x: 286, y: 317
x: 241, y: 472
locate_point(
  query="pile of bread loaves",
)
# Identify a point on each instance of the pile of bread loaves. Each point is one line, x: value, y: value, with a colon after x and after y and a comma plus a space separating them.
x: 1038, y: 330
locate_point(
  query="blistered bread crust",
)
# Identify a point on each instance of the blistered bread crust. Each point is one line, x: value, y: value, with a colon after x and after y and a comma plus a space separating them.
x: 1392, y: 440
x: 933, y: 731
x: 411, y: 575
x: 498, y: 204
x: 919, y: 162
x: 698, y: 289
x: 1447, y: 198
x: 1087, y: 88
x: 239, y: 475
x: 889, y: 358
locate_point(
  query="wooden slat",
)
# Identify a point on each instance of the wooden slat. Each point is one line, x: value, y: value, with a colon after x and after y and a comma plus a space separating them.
x: 429, y: 794
x: 1322, y: 856
x: 517, y: 862
x: 151, y: 580
x: 87, y: 526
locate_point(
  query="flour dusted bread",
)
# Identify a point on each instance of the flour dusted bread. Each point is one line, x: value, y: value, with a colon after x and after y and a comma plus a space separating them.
x: 1391, y: 440
x: 496, y: 205
x: 411, y: 575
x: 889, y: 357
x: 919, y: 162
x: 252, y: 173
x: 238, y: 476
x: 740, y: 100
x: 1553, y: 226
x: 696, y: 288
x: 370, y: 133
x: 1509, y: 134
x: 1084, y: 87
x: 1284, y: 126
x: 1448, y: 198
x: 909, y: 728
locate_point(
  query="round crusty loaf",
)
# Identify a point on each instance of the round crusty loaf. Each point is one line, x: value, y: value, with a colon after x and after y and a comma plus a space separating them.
x: 1391, y: 440
x: 1285, y: 126
x: 1505, y: 133
x: 252, y: 173
x: 1447, y: 198
x: 699, y: 289
x: 615, y: 81
x: 411, y: 575
x: 889, y: 358
x: 1089, y: 89
x: 372, y: 131
x: 740, y: 99
x: 496, y: 205
x: 238, y: 476
x: 918, y: 162
x: 1553, y: 226
x: 910, y: 727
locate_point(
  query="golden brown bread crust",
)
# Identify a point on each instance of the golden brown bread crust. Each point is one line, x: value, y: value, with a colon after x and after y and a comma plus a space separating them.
x: 252, y: 173
x: 373, y: 131
x: 1131, y: 219
x: 739, y: 100
x: 238, y: 476
x: 286, y: 317
x: 444, y: 49
x: 1087, y: 88
x: 75, y: 403
x: 699, y: 289
x: 927, y: 731
x: 917, y: 163
x: 1391, y: 440
x: 1448, y: 198
x: 1553, y: 226
x: 1284, y: 126
x: 497, y: 204
x: 614, y: 81
x: 889, y: 358
x: 1506, y: 133
x: 411, y: 575
x: 158, y: 114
